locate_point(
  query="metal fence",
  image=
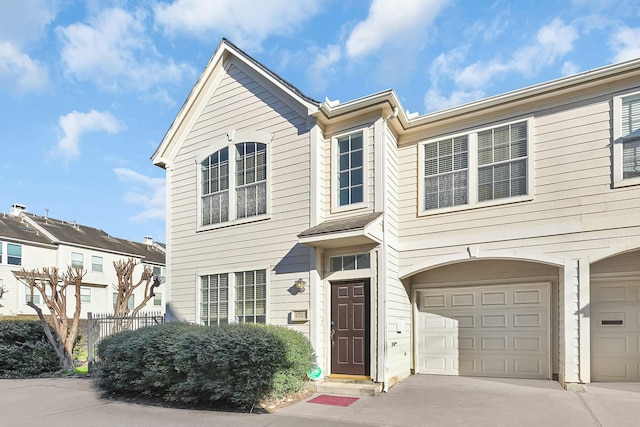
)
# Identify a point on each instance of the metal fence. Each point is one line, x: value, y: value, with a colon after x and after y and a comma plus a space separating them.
x: 100, y: 326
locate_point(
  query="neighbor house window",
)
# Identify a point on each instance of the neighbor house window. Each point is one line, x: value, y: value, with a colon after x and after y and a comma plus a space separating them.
x: 157, y: 298
x: 349, y: 262
x: 77, y: 260
x: 214, y: 301
x: 251, y: 296
x: 130, y: 304
x: 350, y: 169
x: 96, y: 263
x: 234, y: 188
x: 1, y: 252
x: 480, y: 166
x: 14, y: 254
x: 85, y: 294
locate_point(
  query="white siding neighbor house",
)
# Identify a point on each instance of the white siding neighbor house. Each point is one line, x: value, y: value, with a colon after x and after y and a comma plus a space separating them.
x: 499, y: 238
x: 33, y: 242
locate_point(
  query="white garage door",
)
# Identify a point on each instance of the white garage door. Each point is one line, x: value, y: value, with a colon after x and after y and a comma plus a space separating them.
x: 493, y: 331
x: 615, y: 331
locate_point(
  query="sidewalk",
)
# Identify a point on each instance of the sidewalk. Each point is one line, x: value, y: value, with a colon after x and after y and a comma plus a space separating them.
x: 418, y: 401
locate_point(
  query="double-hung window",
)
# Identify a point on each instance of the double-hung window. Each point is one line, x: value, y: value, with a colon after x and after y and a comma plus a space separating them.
x: 96, y: 263
x: 483, y: 166
x: 626, y: 147
x: 77, y: 260
x: 234, y: 187
x: 239, y: 297
x: 350, y: 180
x: 14, y: 254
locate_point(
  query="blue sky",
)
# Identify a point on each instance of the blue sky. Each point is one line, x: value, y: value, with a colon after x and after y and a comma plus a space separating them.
x: 89, y: 88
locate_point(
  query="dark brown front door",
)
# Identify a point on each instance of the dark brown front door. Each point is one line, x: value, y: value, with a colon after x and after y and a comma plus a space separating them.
x: 350, y: 328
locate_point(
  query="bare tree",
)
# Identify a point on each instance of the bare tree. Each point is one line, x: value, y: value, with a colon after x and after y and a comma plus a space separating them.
x: 126, y: 287
x: 53, y: 290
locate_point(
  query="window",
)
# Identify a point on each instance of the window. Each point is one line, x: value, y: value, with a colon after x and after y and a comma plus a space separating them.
x: 0, y: 252
x: 446, y: 171
x: 157, y: 298
x: 77, y: 260
x: 214, y: 306
x: 242, y: 295
x: 502, y: 162
x: 350, y: 169
x: 85, y: 294
x: 14, y: 254
x: 349, y: 262
x: 630, y: 137
x: 234, y: 189
x: 251, y: 296
x: 96, y: 263
x: 130, y: 304
x: 481, y: 166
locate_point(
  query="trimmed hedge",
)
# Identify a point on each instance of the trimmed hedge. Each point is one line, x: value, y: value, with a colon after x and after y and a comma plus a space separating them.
x: 236, y: 365
x: 24, y: 350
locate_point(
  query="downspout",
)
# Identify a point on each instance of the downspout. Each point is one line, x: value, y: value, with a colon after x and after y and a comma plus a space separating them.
x: 383, y: 253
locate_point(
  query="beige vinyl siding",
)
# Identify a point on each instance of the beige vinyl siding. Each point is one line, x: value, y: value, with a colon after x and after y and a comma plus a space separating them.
x: 242, y: 103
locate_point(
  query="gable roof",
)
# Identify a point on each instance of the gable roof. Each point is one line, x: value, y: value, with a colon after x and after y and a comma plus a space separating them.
x: 17, y: 229
x: 89, y: 237
x: 223, y: 53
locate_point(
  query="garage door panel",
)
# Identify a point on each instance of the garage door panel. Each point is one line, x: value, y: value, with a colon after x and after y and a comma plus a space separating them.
x: 615, y: 329
x: 499, y: 331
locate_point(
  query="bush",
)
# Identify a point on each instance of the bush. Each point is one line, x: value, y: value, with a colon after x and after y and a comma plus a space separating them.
x: 193, y: 365
x: 24, y: 350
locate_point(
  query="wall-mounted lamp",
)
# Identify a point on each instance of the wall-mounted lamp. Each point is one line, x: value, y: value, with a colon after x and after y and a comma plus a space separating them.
x: 300, y: 285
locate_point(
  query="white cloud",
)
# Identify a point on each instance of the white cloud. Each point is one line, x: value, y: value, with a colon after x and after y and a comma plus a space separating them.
x: 389, y: 21
x: 321, y: 69
x: 626, y: 44
x: 147, y: 192
x: 246, y: 22
x: 569, y: 68
x: 114, y: 51
x: 25, y: 21
x: 75, y: 124
x: 435, y: 101
x: 18, y: 72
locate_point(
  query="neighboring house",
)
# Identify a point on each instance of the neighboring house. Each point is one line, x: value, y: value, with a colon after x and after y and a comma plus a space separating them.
x: 499, y: 238
x: 33, y: 242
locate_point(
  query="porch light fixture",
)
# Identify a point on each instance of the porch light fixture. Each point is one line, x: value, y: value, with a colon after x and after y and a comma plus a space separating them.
x: 300, y: 285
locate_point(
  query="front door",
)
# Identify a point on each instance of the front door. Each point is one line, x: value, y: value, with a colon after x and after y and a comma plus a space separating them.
x: 350, y: 328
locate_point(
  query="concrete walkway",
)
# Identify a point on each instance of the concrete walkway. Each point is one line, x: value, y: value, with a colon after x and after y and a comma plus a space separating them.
x: 420, y: 400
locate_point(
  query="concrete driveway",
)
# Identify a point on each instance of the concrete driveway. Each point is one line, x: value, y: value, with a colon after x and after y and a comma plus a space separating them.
x: 421, y: 400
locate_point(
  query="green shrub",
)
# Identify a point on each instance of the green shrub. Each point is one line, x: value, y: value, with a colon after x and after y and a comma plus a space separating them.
x: 192, y: 365
x: 299, y: 358
x: 24, y: 350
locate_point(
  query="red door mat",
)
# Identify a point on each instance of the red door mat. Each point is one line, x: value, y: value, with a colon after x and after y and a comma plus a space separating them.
x: 327, y: 399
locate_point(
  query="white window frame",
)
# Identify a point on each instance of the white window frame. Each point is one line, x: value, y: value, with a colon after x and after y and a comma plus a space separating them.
x: 230, y: 141
x: 74, y: 258
x: 232, y: 297
x: 95, y: 258
x: 335, y: 170
x: 85, y: 294
x: 472, y: 167
x: 617, y: 150
x: 8, y: 255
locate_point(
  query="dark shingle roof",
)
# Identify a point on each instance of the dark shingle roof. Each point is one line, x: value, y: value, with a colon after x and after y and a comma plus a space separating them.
x: 339, y: 225
x: 12, y: 227
x: 76, y: 234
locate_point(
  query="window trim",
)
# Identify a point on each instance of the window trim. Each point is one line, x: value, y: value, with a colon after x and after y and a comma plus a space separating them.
x: 232, y: 297
x: 80, y: 255
x: 230, y: 140
x: 472, y: 167
x: 94, y: 264
x: 13, y: 256
x: 617, y: 142
x: 334, y: 168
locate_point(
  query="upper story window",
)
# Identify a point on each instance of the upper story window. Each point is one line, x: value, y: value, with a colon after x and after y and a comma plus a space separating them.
x: 85, y: 294
x: 77, y: 260
x: 14, y: 254
x: 234, y: 188
x: 350, y: 169
x: 349, y: 262
x: 96, y: 263
x: 1, y: 252
x: 626, y: 139
x: 480, y: 166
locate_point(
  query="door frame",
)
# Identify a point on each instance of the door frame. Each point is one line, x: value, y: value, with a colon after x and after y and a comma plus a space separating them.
x: 367, y: 324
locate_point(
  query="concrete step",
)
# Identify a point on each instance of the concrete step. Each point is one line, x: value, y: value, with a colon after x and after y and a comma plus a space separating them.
x: 348, y: 388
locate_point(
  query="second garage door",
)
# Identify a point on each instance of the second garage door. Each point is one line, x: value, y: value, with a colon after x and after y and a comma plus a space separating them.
x: 494, y: 331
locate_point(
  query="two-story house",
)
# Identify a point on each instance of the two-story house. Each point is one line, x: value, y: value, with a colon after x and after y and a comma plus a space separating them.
x: 32, y: 242
x: 498, y: 238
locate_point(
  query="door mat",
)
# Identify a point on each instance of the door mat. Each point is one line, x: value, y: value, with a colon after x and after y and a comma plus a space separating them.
x: 327, y: 399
